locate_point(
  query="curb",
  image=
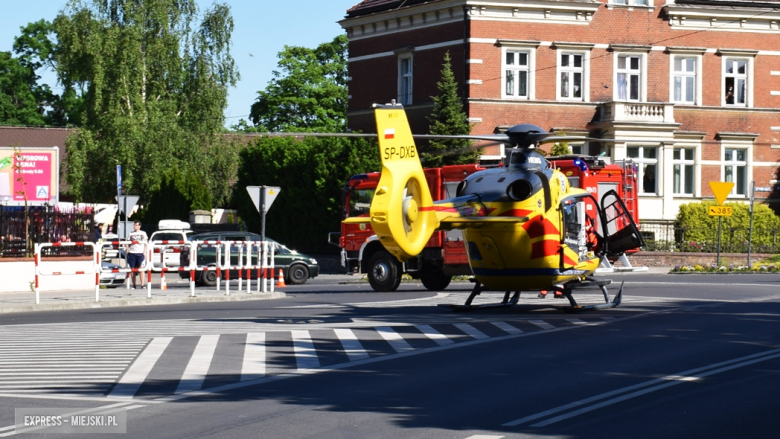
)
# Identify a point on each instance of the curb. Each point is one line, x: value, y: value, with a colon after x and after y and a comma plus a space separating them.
x: 5, y: 309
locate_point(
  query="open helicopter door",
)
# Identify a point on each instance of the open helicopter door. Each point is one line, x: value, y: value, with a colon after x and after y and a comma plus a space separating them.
x: 620, y: 231
x: 574, y: 248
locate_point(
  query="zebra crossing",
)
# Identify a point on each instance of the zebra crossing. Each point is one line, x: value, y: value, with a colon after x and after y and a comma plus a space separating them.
x: 136, y: 364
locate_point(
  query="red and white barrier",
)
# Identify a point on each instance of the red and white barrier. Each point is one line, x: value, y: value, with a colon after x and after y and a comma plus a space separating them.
x: 39, y: 272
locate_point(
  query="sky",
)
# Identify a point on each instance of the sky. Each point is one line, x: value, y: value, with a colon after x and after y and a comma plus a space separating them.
x: 262, y: 29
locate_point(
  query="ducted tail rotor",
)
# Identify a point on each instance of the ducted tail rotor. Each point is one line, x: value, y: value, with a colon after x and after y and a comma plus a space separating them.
x: 402, y: 214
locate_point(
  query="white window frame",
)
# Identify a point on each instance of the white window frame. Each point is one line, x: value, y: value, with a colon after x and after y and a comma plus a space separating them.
x: 685, y: 165
x: 529, y: 47
x: 735, y: 164
x: 583, y: 70
x: 696, y: 75
x: 630, y: 2
x: 642, y: 72
x: 733, y: 79
x: 728, y: 56
x: 517, y: 70
x: 641, y: 161
x: 405, y: 79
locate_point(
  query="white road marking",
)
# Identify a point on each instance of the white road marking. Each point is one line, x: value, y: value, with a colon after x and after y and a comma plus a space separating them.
x: 253, y: 365
x: 351, y: 344
x: 659, y: 384
x: 434, y: 335
x: 394, y: 339
x: 484, y: 436
x: 305, y: 354
x: 131, y: 381
x: 542, y: 324
x: 472, y: 331
x: 198, y: 366
x: 577, y: 322
x: 506, y: 327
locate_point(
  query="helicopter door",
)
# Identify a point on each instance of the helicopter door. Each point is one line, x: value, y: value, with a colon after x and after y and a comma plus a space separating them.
x: 574, y: 240
x: 621, y: 231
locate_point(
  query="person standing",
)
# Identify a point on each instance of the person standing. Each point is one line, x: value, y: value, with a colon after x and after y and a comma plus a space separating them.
x: 135, y: 252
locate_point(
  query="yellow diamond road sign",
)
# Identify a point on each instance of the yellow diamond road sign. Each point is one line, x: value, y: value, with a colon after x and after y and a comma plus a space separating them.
x: 721, y: 190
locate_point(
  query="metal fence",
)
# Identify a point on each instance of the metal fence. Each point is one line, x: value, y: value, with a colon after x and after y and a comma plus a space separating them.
x: 21, y: 228
x: 665, y: 236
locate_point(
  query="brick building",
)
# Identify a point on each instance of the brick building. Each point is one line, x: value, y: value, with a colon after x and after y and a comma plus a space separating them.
x: 695, y: 82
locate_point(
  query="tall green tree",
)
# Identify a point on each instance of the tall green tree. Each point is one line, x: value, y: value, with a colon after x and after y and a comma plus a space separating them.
x: 308, y: 92
x: 311, y: 173
x: 154, y: 76
x: 20, y: 94
x: 448, y: 118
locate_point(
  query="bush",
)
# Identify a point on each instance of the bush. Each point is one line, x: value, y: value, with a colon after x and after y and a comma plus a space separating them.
x: 697, y: 231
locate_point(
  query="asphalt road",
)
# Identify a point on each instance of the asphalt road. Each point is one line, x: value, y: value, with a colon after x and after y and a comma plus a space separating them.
x: 684, y: 356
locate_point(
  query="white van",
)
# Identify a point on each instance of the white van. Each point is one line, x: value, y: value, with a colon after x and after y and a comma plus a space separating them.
x: 169, y: 230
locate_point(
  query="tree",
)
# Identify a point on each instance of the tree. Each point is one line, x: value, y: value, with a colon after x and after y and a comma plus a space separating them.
x: 448, y: 118
x: 19, y: 93
x: 311, y: 173
x: 154, y: 77
x: 309, y: 93
x: 560, y: 148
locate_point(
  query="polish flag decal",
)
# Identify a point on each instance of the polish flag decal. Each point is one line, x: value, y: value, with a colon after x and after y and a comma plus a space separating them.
x: 389, y: 133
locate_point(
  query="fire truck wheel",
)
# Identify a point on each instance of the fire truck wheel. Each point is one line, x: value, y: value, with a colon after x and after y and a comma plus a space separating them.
x: 209, y: 278
x: 297, y: 274
x: 384, y: 272
x: 435, y: 281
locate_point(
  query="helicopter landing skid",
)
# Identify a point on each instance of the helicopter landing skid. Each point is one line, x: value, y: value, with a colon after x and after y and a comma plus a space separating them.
x: 566, y: 290
x: 589, y: 283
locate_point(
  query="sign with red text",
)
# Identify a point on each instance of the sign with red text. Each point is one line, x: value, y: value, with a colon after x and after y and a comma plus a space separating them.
x: 29, y: 174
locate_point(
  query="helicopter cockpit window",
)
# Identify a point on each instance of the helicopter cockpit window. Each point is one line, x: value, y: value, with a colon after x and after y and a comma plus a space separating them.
x: 360, y: 202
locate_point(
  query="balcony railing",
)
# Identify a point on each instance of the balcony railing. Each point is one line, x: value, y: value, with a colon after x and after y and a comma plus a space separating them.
x: 660, y: 112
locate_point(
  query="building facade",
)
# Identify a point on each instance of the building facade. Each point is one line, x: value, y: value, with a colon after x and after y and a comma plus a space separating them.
x: 691, y: 87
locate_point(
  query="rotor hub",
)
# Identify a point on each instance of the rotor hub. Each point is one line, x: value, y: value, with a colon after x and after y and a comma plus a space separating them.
x: 410, y: 210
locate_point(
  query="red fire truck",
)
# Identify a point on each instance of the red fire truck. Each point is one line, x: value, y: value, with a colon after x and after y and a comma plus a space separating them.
x: 445, y: 254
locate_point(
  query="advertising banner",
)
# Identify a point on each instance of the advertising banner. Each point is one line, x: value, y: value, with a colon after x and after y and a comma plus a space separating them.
x: 32, y: 174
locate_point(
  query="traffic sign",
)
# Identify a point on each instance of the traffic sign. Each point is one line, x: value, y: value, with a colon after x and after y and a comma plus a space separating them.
x: 127, y: 200
x: 720, y: 211
x: 721, y: 190
x: 118, y: 177
x: 270, y: 193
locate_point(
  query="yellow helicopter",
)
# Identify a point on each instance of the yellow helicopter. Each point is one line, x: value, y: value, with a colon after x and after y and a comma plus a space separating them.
x: 525, y: 227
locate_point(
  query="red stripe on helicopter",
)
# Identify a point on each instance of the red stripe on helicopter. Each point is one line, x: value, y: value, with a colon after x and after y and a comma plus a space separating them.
x: 437, y: 209
x: 547, y: 247
x: 568, y: 261
x: 540, y: 226
x: 389, y: 133
x: 515, y: 212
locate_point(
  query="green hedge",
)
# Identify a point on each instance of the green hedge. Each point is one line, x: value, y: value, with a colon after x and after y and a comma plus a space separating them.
x: 696, y: 230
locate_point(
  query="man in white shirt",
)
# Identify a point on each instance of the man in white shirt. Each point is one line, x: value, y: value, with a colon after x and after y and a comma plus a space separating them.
x: 135, y: 252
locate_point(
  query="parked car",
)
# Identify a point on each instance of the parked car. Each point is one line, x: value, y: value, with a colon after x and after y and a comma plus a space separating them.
x: 297, y: 267
x: 112, y: 280
x: 170, y: 230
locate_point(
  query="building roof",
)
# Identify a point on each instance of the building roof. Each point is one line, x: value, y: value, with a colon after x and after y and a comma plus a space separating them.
x: 366, y: 7
x: 33, y: 136
x: 370, y: 6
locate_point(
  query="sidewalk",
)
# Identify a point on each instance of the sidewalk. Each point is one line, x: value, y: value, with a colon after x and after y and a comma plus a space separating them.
x: 178, y: 292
